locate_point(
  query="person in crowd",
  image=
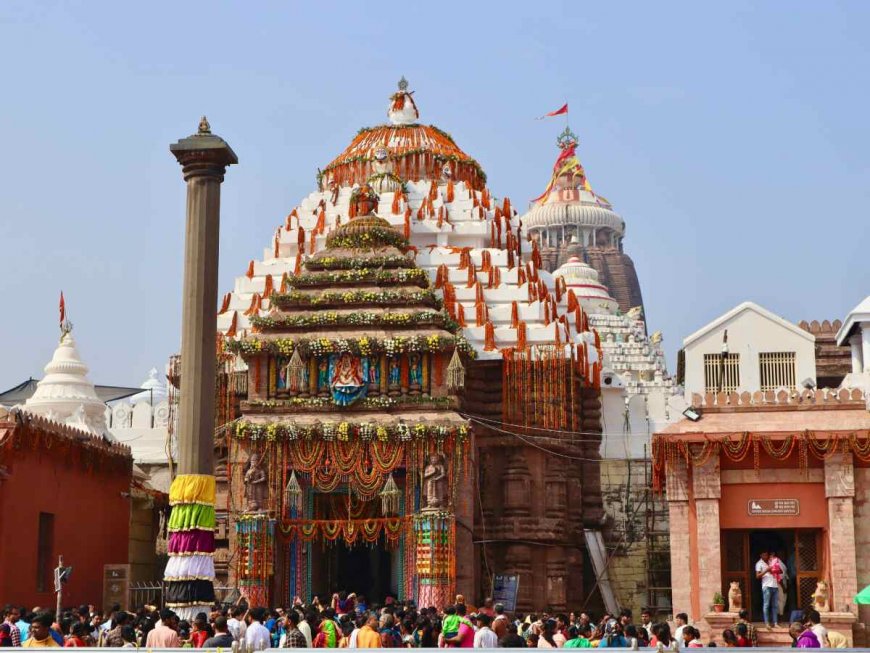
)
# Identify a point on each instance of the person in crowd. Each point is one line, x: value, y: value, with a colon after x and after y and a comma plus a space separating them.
x: 114, y: 638
x: 751, y: 630
x: 547, y: 636
x: 23, y: 622
x: 813, y: 621
x: 729, y: 638
x: 129, y: 635
x: 769, y: 590
x: 256, y: 634
x: 614, y: 637
x: 485, y: 637
x: 500, y: 622
x: 661, y: 633
x: 802, y: 636
x: 487, y: 608
x: 236, y: 623
x: 742, y: 633
x: 511, y: 638
x: 78, y: 636
x: 681, y: 620
x: 308, y: 620
x: 11, y: 615
x: 368, y: 635
x: 293, y: 637
x: 40, y: 632
x: 464, y: 637
x: 164, y: 634
x: 646, y: 622
x: 221, y: 637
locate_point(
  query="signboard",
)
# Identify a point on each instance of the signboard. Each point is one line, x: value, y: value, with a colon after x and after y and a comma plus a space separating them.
x: 773, y: 507
x: 116, y: 585
x: 504, y: 591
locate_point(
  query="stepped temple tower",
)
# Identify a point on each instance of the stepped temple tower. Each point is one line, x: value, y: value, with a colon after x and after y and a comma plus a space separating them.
x: 409, y: 400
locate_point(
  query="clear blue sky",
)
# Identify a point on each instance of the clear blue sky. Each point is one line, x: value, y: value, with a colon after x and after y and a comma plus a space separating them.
x: 731, y: 136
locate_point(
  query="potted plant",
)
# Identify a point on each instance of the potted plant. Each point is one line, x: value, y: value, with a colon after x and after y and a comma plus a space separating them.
x: 718, y: 602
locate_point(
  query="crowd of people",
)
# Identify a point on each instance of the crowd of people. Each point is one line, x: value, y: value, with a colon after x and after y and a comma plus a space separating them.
x: 347, y: 621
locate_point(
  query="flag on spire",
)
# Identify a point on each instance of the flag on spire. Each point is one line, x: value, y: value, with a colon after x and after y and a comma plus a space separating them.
x: 561, y: 111
x: 62, y: 308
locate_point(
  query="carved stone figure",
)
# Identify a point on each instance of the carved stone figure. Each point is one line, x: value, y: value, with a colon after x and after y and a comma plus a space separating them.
x: 256, y: 485
x: 435, y: 483
x: 821, y: 602
x: 735, y: 597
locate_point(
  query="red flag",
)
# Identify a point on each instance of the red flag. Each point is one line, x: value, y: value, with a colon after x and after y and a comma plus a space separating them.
x: 62, y: 309
x: 558, y: 112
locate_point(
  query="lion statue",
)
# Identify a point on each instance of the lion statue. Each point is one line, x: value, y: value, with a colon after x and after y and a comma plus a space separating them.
x: 820, y: 597
x: 735, y: 597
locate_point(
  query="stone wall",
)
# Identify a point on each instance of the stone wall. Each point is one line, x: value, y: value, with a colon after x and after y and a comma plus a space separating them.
x: 624, y: 487
x: 862, y: 547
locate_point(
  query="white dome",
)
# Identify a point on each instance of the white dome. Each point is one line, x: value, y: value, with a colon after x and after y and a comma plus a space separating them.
x: 153, y: 389
x: 583, y: 279
x: 583, y: 214
x: 66, y: 394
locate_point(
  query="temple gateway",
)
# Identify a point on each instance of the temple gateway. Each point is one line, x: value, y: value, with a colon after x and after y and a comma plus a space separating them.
x: 409, y: 400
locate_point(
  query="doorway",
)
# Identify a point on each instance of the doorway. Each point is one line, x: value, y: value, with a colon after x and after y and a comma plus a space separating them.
x: 363, y: 569
x: 800, y: 550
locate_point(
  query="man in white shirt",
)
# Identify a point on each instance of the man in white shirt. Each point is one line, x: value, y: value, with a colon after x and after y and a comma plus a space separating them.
x: 485, y: 637
x: 813, y: 621
x: 257, y: 635
x: 305, y: 629
x: 681, y: 620
x: 769, y: 591
x: 236, y: 625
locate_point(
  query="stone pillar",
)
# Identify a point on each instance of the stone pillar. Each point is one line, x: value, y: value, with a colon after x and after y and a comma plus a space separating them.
x: 677, y: 488
x: 840, y: 492
x: 857, y: 354
x: 204, y: 158
x: 189, y: 574
x: 706, y: 483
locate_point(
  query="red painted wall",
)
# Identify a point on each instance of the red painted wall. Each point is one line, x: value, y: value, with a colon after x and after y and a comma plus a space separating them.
x: 91, y: 526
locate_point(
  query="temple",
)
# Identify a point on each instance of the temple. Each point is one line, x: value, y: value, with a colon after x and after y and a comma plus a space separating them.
x: 406, y: 383
x: 570, y: 212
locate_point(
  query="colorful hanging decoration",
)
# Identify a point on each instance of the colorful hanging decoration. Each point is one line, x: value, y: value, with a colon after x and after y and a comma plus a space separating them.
x: 435, y: 547
x: 293, y: 493
x: 189, y: 574
x: 255, y: 541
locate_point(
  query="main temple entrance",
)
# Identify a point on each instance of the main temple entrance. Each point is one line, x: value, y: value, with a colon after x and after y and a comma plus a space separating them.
x: 800, y: 550
x: 364, y: 569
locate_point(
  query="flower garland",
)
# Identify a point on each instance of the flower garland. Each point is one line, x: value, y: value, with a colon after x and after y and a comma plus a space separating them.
x: 383, y: 297
x: 346, y: 431
x: 666, y: 451
x: 417, y: 276
x: 362, y: 345
x: 357, y: 262
x: 357, y: 318
x: 326, y: 404
x: 372, y: 236
x: 351, y: 531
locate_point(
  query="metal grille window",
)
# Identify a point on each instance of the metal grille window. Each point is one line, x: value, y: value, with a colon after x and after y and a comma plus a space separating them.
x: 714, y: 365
x: 777, y: 369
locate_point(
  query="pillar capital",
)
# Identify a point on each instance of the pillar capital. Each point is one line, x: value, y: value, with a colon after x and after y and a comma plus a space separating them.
x: 203, y: 154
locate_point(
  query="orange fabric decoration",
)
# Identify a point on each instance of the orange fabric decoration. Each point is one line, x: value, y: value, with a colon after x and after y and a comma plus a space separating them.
x: 231, y: 332
x: 225, y: 305
x: 255, y: 304
x: 407, y: 230
x: 521, y: 277
x: 250, y: 272
x: 404, y: 371
x: 489, y: 337
x: 268, y: 287
x: 472, y: 276
x: 506, y: 210
x: 438, y: 369
x: 460, y: 315
x: 521, y: 335
x: 515, y: 314
x: 480, y: 313
x: 450, y: 192
x: 300, y: 241
x: 441, y: 276
x: 395, y: 207
x: 320, y: 227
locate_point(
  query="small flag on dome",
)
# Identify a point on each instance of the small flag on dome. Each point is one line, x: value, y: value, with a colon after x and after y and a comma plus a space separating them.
x: 62, y: 308
x: 561, y: 111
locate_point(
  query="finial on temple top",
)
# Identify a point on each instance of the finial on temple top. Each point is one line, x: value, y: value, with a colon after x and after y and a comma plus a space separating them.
x: 403, y: 84
x: 204, y: 127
